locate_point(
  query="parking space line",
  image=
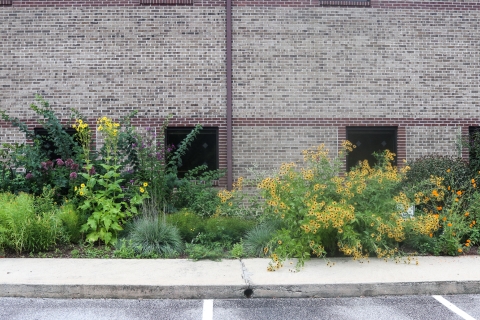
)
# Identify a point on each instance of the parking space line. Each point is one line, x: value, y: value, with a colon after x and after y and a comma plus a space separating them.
x: 207, y: 310
x: 454, y: 308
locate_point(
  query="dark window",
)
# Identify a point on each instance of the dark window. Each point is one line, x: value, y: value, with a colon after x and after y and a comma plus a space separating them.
x: 5, y: 2
x: 166, y: 2
x: 47, y: 144
x: 369, y: 140
x: 473, y: 144
x: 202, y: 151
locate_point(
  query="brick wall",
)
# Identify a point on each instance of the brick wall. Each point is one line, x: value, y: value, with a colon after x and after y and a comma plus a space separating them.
x: 442, y: 140
x: 302, y: 72
x: 267, y: 147
x: 109, y: 61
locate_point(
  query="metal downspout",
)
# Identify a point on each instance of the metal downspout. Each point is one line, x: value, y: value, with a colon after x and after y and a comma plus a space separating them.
x: 229, y: 93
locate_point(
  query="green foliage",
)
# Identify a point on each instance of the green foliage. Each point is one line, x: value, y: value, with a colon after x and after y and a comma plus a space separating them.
x: 23, y: 229
x: 227, y: 229
x: 257, y: 241
x: 197, y: 251
x: 423, y: 168
x: 237, y: 251
x: 195, y: 192
x: 29, y: 167
x: 103, y: 201
x: 72, y: 222
x: 358, y: 214
x: 189, y: 224
x: 473, y: 144
x: 149, y: 235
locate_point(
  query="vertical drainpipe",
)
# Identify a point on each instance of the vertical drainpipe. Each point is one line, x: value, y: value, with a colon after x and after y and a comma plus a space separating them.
x: 229, y: 92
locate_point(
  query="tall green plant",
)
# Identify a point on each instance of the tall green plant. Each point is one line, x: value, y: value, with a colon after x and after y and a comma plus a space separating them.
x: 102, y: 197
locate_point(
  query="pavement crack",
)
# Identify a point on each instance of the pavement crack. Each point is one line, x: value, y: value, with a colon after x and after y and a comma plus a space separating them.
x: 245, y: 274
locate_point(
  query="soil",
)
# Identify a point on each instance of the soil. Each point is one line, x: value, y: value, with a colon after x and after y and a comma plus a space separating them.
x: 102, y: 252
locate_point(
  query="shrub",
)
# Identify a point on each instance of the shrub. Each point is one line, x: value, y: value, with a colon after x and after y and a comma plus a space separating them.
x: 227, y: 229
x: 449, y: 204
x: 423, y: 168
x: 359, y: 213
x: 41, y: 167
x: 189, y: 224
x: 149, y: 235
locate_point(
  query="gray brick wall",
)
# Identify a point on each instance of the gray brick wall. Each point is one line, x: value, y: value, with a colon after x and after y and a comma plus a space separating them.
x: 266, y: 148
x: 414, y: 67
x: 109, y: 60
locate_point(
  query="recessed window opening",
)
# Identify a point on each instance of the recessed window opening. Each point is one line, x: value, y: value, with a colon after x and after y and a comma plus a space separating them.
x: 47, y: 144
x: 202, y: 151
x: 369, y: 140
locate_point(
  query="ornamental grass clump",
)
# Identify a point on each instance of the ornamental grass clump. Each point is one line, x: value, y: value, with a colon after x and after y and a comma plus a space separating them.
x: 324, y: 213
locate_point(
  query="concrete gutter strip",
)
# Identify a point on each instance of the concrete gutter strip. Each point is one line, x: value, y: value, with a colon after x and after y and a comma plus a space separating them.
x: 229, y: 279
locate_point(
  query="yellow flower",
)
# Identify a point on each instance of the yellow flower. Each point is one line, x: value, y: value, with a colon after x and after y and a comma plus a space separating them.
x: 145, y: 184
x: 467, y: 214
x: 435, y: 193
x: 449, y: 224
x: 142, y: 190
x: 82, y: 185
x: 279, y: 241
x: 439, y: 208
x: 448, y: 170
x: 460, y: 250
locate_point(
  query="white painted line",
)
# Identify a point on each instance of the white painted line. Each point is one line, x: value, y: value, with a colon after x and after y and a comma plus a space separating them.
x: 453, y: 308
x: 207, y: 310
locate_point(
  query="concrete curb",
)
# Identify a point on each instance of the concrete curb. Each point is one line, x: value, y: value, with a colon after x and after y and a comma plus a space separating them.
x: 234, y: 279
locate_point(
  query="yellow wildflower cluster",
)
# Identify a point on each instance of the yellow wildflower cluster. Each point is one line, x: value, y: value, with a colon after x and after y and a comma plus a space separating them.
x: 81, y: 190
x: 84, y: 136
x: 386, y: 253
x: 277, y: 264
x: 239, y: 184
x: 286, y: 167
x: 315, y: 154
x: 348, y: 146
x: 307, y: 174
x: 396, y: 231
x: 355, y: 251
x: 333, y: 214
x: 224, y: 195
x: 108, y: 126
x: 80, y: 125
x: 425, y: 224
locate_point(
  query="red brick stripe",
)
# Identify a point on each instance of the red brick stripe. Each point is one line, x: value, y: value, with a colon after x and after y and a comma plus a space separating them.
x: 167, y: 2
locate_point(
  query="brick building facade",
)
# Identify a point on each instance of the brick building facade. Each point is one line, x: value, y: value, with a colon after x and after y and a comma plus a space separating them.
x: 303, y: 72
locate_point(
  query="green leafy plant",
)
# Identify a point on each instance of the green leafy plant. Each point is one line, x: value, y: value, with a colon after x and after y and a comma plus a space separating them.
x: 237, y: 251
x: 103, y: 199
